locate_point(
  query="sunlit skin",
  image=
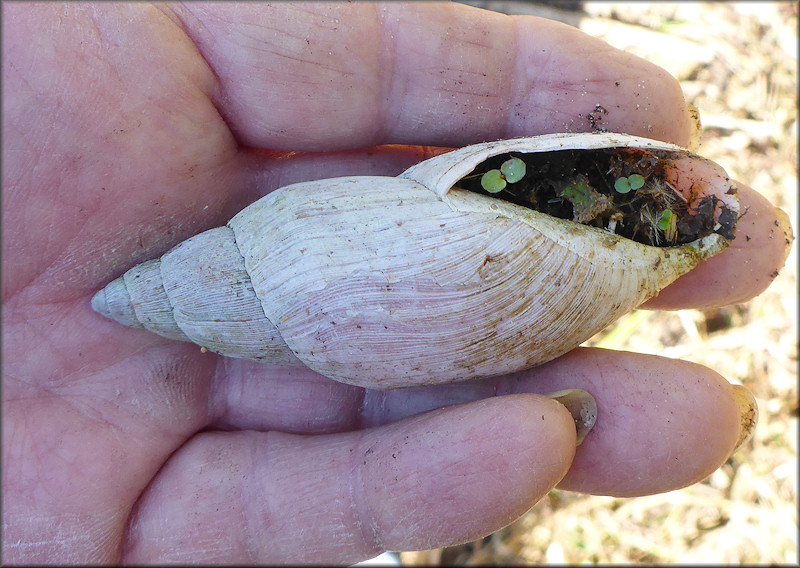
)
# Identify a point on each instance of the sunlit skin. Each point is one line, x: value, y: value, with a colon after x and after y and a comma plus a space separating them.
x: 128, y: 128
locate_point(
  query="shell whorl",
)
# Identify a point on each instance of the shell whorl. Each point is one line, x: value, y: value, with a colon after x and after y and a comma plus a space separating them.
x: 222, y: 313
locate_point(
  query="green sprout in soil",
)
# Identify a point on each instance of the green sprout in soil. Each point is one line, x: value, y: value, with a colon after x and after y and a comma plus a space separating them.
x: 664, y: 222
x: 587, y: 203
x: 493, y: 181
x: 511, y: 171
x: 625, y: 184
x: 578, y: 194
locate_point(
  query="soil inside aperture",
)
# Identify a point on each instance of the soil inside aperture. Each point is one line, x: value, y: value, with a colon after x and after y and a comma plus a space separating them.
x: 621, y: 190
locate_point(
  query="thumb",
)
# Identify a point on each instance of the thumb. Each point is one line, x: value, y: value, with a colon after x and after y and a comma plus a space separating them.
x: 441, y: 478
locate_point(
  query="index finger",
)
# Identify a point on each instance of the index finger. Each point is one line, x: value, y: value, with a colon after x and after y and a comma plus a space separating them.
x: 331, y: 76
x: 328, y: 76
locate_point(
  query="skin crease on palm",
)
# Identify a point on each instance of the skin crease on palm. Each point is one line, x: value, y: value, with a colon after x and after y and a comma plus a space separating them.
x: 128, y: 128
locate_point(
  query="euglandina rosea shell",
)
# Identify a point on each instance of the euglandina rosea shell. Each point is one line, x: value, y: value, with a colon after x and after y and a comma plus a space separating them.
x: 389, y: 282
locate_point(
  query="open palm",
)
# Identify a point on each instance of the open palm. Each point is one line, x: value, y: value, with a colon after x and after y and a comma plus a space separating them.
x: 128, y: 128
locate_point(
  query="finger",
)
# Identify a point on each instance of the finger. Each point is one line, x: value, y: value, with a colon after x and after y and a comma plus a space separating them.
x: 662, y: 424
x: 743, y: 270
x: 333, y: 76
x: 446, y: 477
x: 651, y: 410
x: 269, y: 170
x: 255, y: 396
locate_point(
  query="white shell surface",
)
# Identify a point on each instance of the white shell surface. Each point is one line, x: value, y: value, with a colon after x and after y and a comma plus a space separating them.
x: 378, y: 281
x: 224, y: 315
x: 393, y: 282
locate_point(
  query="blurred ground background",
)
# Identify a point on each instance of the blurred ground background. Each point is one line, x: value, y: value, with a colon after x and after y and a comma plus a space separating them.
x: 737, y: 62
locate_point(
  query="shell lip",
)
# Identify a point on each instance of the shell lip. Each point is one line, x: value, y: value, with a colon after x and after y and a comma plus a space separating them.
x: 441, y: 172
x: 702, y: 192
x: 706, y: 247
x: 701, y: 249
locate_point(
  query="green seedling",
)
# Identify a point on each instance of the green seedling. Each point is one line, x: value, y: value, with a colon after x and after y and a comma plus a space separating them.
x: 587, y: 203
x: 666, y: 218
x: 625, y: 184
x: 578, y: 194
x: 493, y: 181
x: 511, y: 171
x: 636, y: 181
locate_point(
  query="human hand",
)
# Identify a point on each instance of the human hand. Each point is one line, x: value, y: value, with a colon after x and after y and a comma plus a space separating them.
x: 129, y: 128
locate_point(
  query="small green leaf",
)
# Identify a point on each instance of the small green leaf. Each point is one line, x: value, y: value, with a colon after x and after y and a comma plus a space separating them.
x: 577, y: 193
x: 666, y: 217
x: 622, y: 185
x: 493, y: 181
x: 513, y: 170
x: 587, y: 203
x: 636, y: 181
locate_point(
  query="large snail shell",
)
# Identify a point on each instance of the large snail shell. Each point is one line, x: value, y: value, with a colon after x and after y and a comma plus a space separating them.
x: 389, y: 282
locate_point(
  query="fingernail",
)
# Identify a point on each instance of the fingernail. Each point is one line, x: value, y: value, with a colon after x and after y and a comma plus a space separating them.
x: 582, y: 406
x: 696, y: 128
x: 784, y: 224
x: 748, y: 411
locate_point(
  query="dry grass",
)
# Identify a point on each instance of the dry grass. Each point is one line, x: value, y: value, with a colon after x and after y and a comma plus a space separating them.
x: 737, y: 63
